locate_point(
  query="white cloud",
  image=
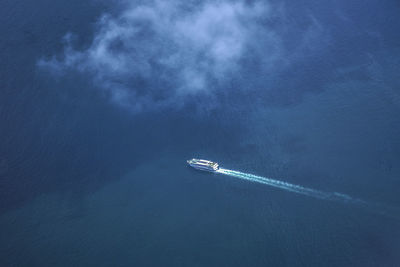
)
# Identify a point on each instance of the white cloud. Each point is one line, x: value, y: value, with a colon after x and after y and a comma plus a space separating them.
x: 153, y: 55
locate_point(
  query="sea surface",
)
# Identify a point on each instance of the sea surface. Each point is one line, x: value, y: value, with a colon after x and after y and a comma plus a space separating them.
x: 88, y: 181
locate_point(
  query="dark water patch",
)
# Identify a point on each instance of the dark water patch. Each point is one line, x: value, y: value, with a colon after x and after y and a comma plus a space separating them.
x: 68, y: 137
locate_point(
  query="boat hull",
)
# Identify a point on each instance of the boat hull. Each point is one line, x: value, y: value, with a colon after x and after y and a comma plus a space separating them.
x: 203, y: 165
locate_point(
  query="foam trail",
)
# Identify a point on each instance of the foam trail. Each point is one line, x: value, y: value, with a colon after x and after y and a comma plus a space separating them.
x: 276, y: 183
x: 332, y: 196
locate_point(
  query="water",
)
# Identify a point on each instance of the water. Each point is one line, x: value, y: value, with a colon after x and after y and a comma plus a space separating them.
x: 93, y: 157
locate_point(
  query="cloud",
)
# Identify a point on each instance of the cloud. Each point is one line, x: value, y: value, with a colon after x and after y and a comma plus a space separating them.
x: 162, y: 54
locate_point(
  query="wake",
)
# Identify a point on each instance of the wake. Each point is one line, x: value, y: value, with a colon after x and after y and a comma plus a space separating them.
x: 331, y: 196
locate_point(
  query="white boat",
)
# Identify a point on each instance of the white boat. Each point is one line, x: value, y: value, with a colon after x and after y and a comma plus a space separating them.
x: 203, y: 165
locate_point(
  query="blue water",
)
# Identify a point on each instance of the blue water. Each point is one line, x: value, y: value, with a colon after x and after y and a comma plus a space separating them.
x: 92, y: 178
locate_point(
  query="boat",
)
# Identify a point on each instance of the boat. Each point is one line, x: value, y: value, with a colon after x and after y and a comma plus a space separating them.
x: 203, y: 165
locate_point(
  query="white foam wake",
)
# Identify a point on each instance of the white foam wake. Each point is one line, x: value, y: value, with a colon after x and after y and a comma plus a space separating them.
x: 332, y: 196
x: 279, y: 184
